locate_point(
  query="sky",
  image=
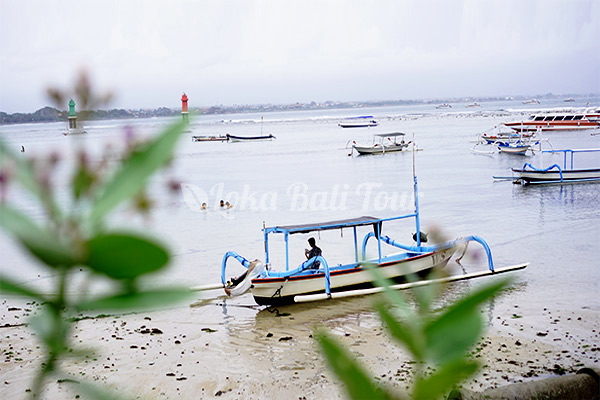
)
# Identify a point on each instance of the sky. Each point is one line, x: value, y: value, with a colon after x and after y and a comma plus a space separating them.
x: 222, y: 52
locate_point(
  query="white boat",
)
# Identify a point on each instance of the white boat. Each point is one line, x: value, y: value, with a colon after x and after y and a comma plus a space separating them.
x: 383, y: 143
x: 365, y: 121
x: 560, y: 121
x: 517, y: 147
x: 569, y: 100
x: 74, y: 131
x: 532, y: 101
x: 444, y: 105
x: 311, y: 281
x: 219, y: 138
x: 555, y: 173
x: 232, y: 138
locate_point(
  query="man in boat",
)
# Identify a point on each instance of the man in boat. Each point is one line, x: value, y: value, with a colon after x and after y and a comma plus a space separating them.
x: 313, y: 252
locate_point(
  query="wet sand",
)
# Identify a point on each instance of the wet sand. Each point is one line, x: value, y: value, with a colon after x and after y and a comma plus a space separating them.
x: 229, y: 350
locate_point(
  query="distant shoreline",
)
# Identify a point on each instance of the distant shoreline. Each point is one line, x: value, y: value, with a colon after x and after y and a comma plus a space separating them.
x: 50, y: 114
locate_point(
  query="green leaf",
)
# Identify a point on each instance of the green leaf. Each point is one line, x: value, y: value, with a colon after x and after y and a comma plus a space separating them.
x: 442, y: 381
x: 82, y: 181
x: 89, y: 390
x: 9, y: 286
x: 132, y: 176
x: 138, y: 301
x: 451, y: 335
x: 26, y: 176
x: 125, y: 255
x: 51, y: 328
x: 43, y: 244
x: 357, y: 382
x: 405, y: 333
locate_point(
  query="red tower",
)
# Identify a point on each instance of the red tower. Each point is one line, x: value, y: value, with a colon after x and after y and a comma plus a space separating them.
x: 184, y: 107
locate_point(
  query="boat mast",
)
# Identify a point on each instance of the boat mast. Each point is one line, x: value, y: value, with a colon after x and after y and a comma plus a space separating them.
x: 416, y: 189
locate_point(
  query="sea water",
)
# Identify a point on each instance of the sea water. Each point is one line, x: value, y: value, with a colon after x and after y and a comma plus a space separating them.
x: 308, y: 174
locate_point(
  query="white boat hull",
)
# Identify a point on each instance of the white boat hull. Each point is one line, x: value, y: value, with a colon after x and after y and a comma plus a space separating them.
x: 274, y: 291
x: 74, y: 131
x: 554, y: 176
x: 380, y: 149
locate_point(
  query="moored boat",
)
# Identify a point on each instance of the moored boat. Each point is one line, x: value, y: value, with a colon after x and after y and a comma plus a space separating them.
x: 563, y: 121
x: 529, y: 174
x: 74, y: 131
x: 444, y: 105
x: 317, y: 278
x: 364, y: 121
x: 232, y: 138
x: 381, y: 145
x: 219, y: 138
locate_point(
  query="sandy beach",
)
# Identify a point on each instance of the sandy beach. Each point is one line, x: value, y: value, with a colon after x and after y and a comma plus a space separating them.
x: 544, y: 325
x: 183, y: 353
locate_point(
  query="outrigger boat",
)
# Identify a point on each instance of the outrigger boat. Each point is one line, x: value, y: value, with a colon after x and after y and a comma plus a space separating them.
x: 364, y: 121
x: 333, y: 280
x: 554, y: 173
x: 381, y: 146
x: 231, y: 138
x: 518, y: 144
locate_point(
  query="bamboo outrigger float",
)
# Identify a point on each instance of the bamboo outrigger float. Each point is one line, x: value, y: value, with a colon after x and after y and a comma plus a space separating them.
x: 308, y: 283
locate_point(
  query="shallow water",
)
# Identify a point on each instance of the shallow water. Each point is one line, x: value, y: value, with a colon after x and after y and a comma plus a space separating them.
x: 306, y: 175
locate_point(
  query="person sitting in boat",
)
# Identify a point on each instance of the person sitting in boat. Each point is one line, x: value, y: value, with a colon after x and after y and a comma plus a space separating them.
x: 203, y: 207
x: 313, y: 252
x: 228, y: 205
x: 222, y: 203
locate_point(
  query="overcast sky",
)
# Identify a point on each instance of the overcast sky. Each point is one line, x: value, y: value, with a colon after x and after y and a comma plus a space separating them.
x: 245, y: 52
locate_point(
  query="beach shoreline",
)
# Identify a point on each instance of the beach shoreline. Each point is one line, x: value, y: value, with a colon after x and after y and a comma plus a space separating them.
x: 179, y: 353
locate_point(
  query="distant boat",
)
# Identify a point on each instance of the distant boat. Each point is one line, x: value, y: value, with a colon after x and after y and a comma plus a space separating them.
x: 74, y: 131
x: 589, y: 119
x: 364, y: 121
x: 473, y: 105
x: 231, y: 138
x: 444, y: 105
x: 532, y: 101
x: 383, y: 146
x: 569, y: 99
x: 209, y: 138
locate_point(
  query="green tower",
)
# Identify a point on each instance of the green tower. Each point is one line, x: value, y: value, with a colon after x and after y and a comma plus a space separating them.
x: 72, y: 115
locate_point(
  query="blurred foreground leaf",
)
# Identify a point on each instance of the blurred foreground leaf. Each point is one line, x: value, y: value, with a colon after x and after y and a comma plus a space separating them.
x: 25, y: 174
x: 90, y: 390
x: 132, y: 176
x: 9, y: 286
x: 404, y: 333
x: 356, y: 380
x: 41, y: 243
x: 450, y: 335
x: 51, y: 328
x: 442, y: 381
x: 125, y: 255
x: 138, y: 301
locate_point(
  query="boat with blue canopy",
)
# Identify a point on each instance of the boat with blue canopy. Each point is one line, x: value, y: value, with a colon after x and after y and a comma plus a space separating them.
x: 308, y: 282
x: 364, y: 121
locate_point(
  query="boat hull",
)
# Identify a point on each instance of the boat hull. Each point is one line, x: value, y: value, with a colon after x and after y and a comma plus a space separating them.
x: 209, y: 138
x: 520, y: 150
x: 231, y: 138
x: 540, y: 177
x: 379, y: 149
x: 531, y: 126
x: 278, y: 291
x: 357, y: 125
